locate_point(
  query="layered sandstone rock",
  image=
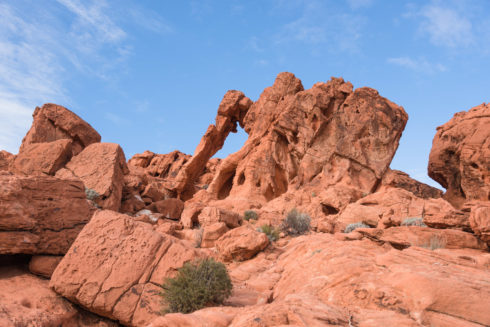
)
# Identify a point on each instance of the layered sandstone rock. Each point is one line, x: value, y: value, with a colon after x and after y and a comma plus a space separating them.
x: 399, y: 179
x: 40, y: 214
x: 101, y: 167
x: 5, y: 159
x: 53, y: 122
x: 42, y: 158
x: 116, y: 266
x: 460, y: 156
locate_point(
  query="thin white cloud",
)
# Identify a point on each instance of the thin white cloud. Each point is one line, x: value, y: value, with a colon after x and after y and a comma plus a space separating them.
x: 418, y: 65
x: 319, y: 23
x: 446, y: 26
x: 356, y: 4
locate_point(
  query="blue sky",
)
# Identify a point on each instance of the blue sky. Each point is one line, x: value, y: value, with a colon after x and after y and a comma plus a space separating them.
x: 150, y: 75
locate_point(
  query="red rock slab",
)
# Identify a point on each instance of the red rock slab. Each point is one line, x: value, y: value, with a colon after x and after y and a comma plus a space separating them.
x: 116, y: 266
x: 101, y: 167
x: 53, y: 122
x: 27, y: 300
x: 40, y: 214
x: 42, y: 158
x: 44, y: 265
x: 399, y: 179
x: 480, y: 221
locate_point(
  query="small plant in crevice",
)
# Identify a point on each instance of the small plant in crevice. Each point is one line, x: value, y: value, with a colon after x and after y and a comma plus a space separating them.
x: 91, y: 194
x: 354, y: 226
x: 271, y: 232
x: 296, y: 222
x: 435, y: 242
x: 205, y: 186
x: 414, y: 221
x: 196, y: 285
x: 250, y: 215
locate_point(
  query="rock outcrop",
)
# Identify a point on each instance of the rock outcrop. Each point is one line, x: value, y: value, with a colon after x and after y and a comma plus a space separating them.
x: 101, y: 167
x: 40, y: 214
x: 460, y: 156
x: 326, y: 136
x: 116, y: 266
x: 5, y: 159
x: 241, y: 243
x: 53, y: 122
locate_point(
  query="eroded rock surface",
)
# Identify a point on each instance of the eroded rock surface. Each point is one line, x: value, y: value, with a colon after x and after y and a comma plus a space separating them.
x: 5, y: 159
x: 101, y: 167
x: 116, y: 266
x: 40, y: 214
x: 460, y: 156
x: 53, y: 122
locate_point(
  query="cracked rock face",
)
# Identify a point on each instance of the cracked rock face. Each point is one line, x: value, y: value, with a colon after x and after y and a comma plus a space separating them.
x: 40, y: 214
x: 460, y: 156
x: 116, y: 266
x: 54, y: 122
x: 327, y: 135
x: 101, y: 167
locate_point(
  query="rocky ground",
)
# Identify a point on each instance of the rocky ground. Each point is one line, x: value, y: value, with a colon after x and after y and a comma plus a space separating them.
x: 87, y: 239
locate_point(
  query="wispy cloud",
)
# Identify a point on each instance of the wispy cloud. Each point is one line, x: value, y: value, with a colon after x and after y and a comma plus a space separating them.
x: 38, y: 55
x: 321, y: 22
x: 418, y: 65
x: 446, y: 26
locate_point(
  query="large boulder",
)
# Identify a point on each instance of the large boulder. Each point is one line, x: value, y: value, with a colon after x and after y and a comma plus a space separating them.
x: 116, y: 266
x: 460, y: 156
x: 53, y: 122
x: 101, y: 167
x: 42, y: 158
x: 399, y: 179
x: 40, y: 214
x: 241, y: 243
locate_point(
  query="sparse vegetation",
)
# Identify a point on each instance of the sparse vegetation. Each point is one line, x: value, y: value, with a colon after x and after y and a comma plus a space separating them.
x: 197, y: 285
x: 414, y: 221
x: 296, y: 222
x: 205, y: 186
x: 250, y: 215
x: 354, y: 226
x: 91, y: 195
x: 435, y: 242
x: 271, y: 232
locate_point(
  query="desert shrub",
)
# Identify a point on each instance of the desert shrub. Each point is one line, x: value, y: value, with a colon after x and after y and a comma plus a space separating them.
x: 435, y: 242
x: 91, y: 194
x: 296, y: 222
x: 354, y: 226
x: 250, y: 215
x: 414, y: 221
x: 205, y: 186
x: 198, y: 284
x: 271, y: 232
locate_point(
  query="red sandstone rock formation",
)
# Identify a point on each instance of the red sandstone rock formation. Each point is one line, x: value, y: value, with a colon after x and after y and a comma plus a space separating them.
x: 5, y: 159
x: 40, y: 214
x: 326, y: 136
x: 53, y: 122
x: 101, y: 167
x: 460, y: 156
x: 116, y: 266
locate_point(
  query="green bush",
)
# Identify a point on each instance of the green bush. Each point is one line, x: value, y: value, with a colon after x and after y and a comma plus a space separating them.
x: 199, y: 284
x: 271, y: 232
x: 250, y: 215
x: 296, y: 222
x: 414, y: 221
x: 354, y: 226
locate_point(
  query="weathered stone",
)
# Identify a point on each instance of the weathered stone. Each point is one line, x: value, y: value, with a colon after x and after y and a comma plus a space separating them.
x: 53, y: 122
x: 44, y: 265
x: 241, y: 243
x: 40, y: 214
